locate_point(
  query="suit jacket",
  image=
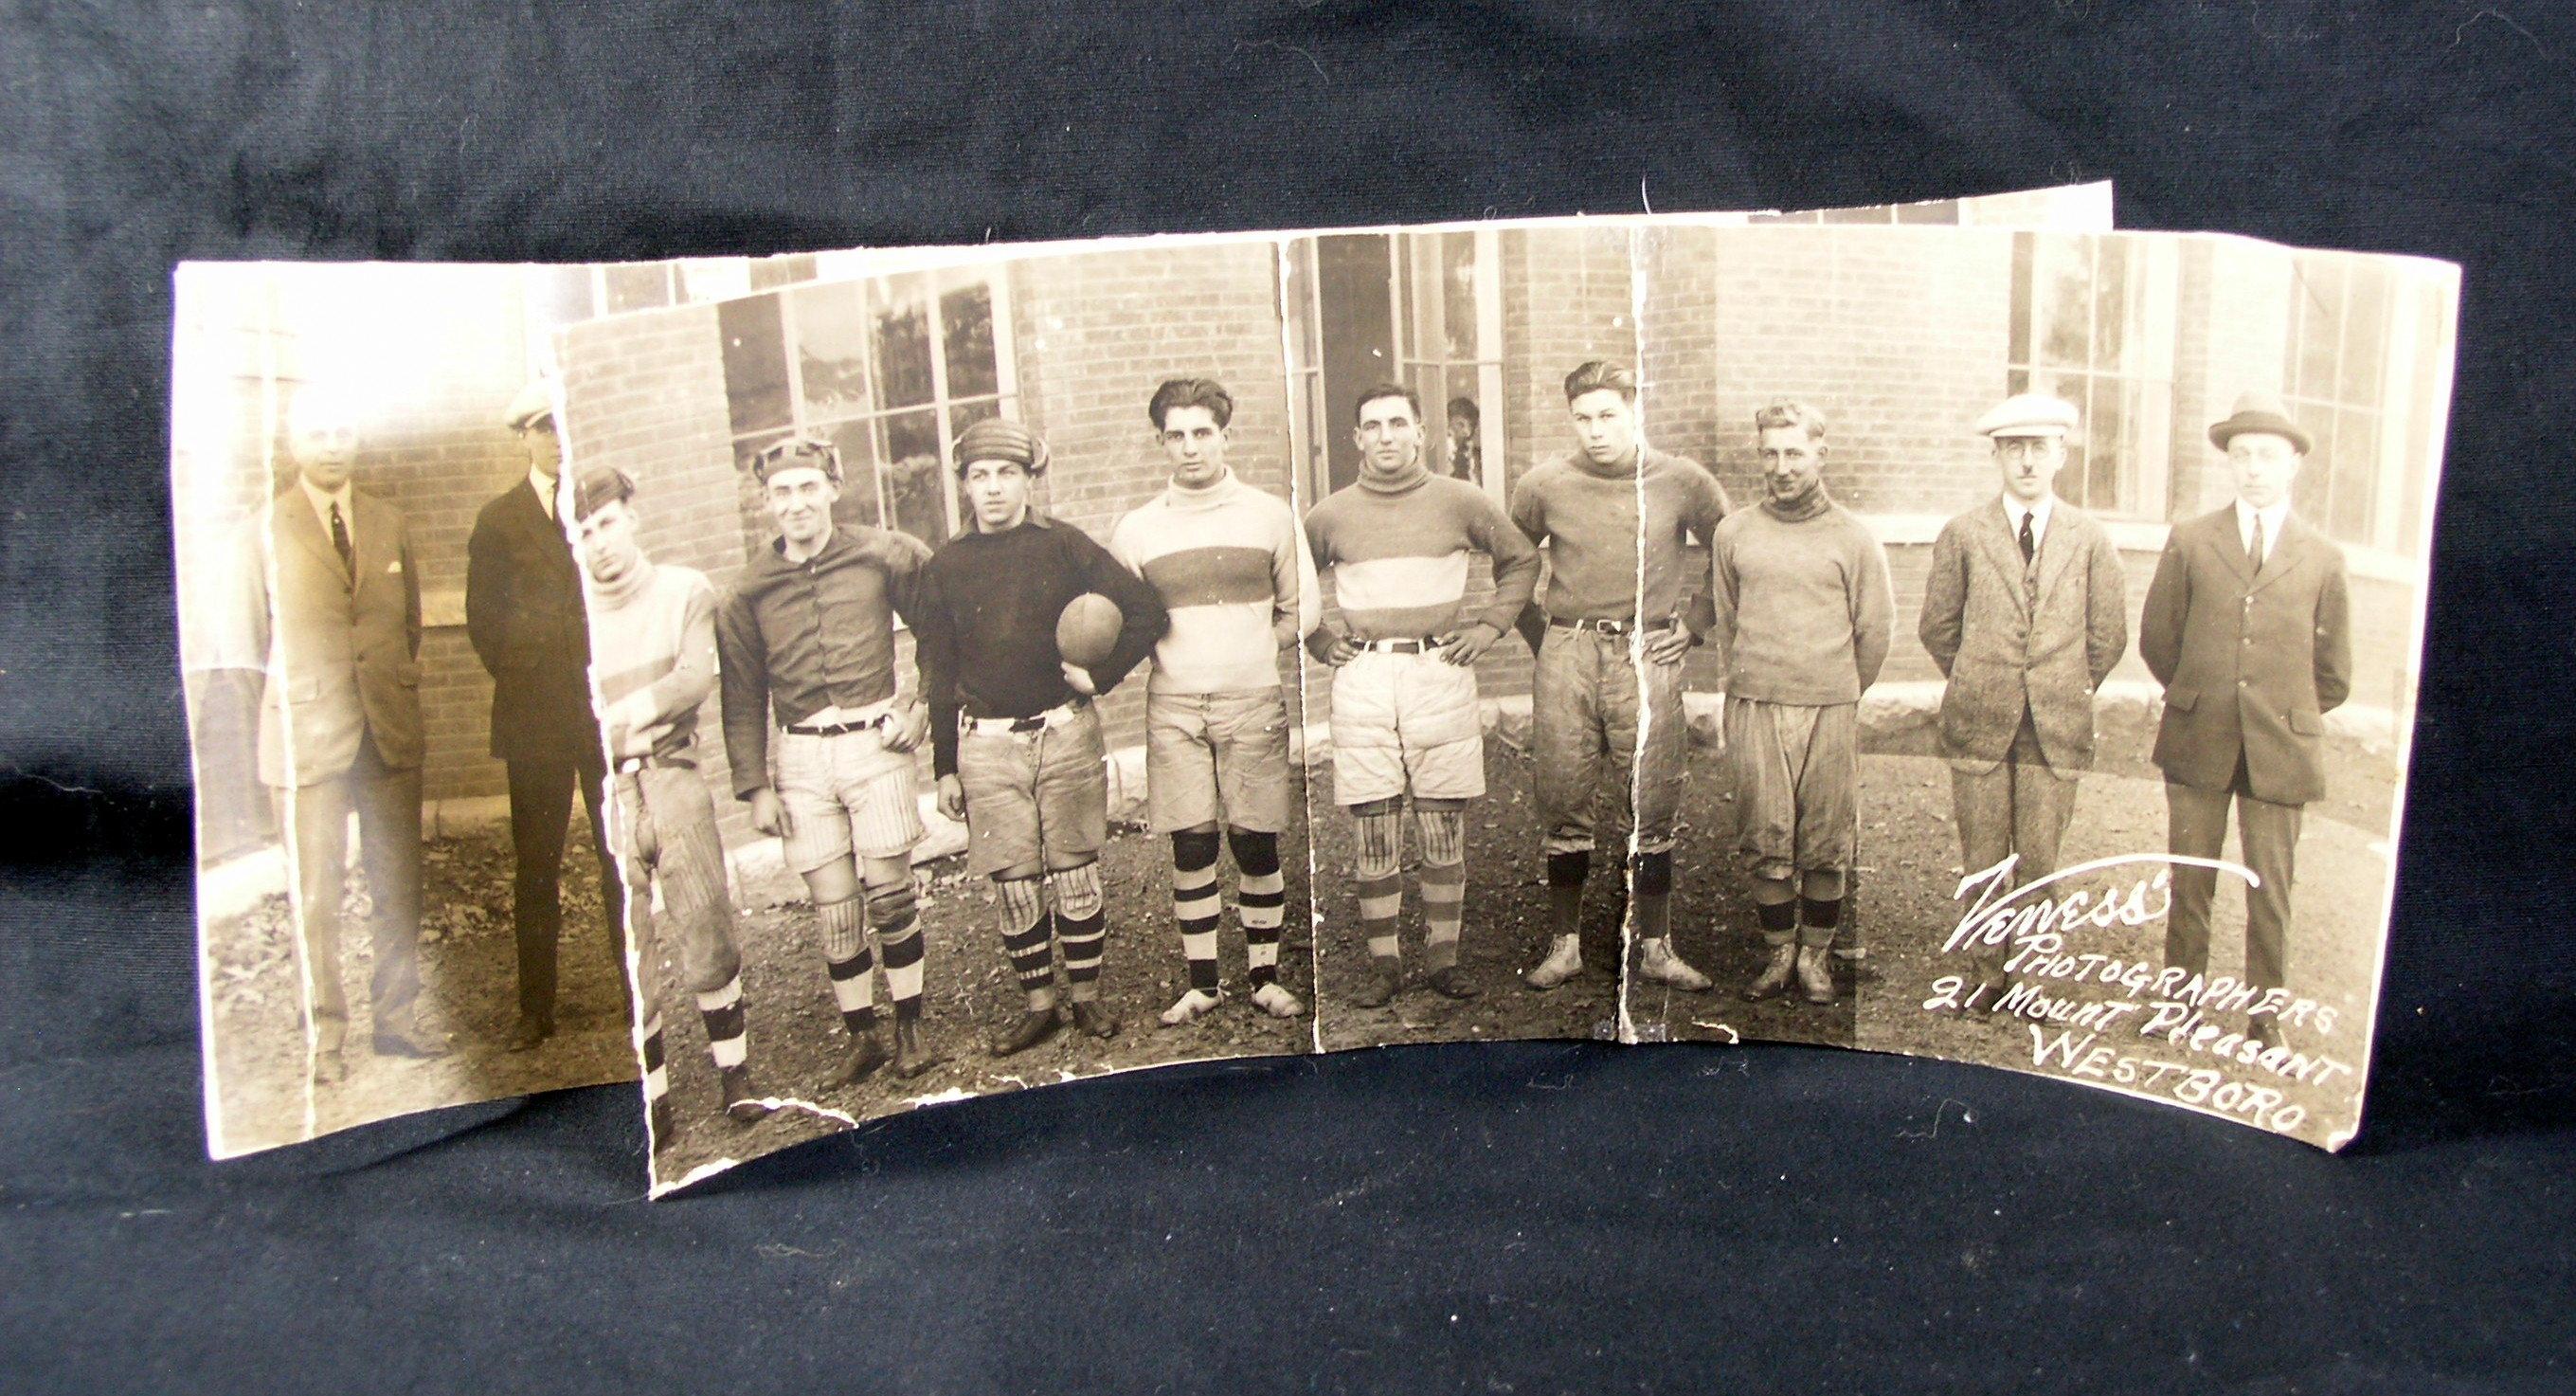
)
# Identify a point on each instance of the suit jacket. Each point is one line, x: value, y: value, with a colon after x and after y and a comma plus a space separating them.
x: 2250, y: 663
x: 2005, y: 655
x: 524, y: 617
x: 340, y: 644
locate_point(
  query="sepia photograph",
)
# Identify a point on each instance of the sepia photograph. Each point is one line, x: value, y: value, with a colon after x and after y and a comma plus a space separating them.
x: 403, y: 899
x: 954, y: 622
x: 2066, y: 646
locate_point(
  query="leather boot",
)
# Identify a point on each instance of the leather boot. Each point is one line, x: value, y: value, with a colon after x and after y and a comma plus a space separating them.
x: 1816, y: 973
x: 741, y: 1102
x: 867, y: 1053
x: 1775, y: 975
x: 912, y: 1056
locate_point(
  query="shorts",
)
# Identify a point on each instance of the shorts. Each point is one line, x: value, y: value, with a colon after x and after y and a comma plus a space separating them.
x: 665, y: 826
x: 1797, y: 784
x: 1035, y: 799
x: 845, y: 794
x: 1406, y: 723
x: 1587, y: 706
x: 1217, y: 758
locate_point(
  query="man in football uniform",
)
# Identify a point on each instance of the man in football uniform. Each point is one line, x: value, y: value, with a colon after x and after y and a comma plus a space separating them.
x: 1231, y: 565
x: 807, y: 641
x: 653, y: 664
x: 1015, y: 739
x: 1397, y: 544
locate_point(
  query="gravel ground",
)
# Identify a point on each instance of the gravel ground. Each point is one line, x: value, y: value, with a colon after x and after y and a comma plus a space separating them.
x: 797, y: 1041
x: 469, y: 969
x: 1506, y: 931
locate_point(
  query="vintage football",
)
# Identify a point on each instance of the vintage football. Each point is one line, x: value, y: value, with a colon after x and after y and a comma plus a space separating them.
x: 1088, y: 629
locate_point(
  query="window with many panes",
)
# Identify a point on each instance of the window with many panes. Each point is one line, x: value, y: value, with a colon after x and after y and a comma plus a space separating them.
x: 2092, y: 322
x: 888, y: 368
x: 2355, y: 375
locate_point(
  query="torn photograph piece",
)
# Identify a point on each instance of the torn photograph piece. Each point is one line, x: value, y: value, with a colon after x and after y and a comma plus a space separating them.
x: 1491, y: 519
x: 2067, y: 633
x: 402, y: 902
x: 887, y: 842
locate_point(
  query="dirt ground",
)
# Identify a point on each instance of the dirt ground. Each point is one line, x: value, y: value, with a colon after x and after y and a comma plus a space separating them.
x: 797, y: 1041
x: 1909, y: 868
x: 1506, y: 931
x: 469, y: 967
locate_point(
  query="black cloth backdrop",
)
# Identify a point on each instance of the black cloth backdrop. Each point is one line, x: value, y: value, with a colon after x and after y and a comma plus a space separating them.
x: 1484, y: 1218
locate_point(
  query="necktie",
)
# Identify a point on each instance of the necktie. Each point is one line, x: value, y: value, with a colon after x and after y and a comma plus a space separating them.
x: 2254, y: 549
x: 340, y: 540
x: 2029, y: 544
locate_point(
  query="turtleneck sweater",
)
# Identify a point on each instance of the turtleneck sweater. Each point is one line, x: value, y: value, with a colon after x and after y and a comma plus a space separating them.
x: 1235, y: 576
x: 653, y: 657
x: 1400, y: 552
x: 1803, y: 608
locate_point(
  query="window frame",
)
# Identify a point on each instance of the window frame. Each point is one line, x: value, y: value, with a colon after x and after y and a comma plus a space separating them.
x: 2149, y: 303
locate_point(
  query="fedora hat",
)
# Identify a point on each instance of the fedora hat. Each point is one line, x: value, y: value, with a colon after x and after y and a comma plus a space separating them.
x: 2257, y: 412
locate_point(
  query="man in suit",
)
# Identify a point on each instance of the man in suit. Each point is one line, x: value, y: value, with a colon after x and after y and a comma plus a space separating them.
x: 2026, y: 611
x: 333, y: 610
x: 2248, y: 627
x: 523, y: 615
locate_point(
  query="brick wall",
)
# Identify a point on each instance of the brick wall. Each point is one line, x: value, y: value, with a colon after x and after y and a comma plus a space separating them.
x: 1900, y: 337
x: 1091, y: 334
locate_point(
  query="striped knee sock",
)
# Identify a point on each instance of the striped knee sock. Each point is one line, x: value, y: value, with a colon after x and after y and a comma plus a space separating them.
x: 1080, y: 923
x: 1024, y: 932
x: 1444, y: 883
x: 1378, y: 879
x: 722, y: 1010
x: 1261, y: 899
x: 847, y: 959
x: 898, y: 924
x: 1195, y: 905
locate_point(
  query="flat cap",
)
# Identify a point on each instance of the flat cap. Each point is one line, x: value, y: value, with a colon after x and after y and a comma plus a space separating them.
x: 998, y: 438
x: 534, y: 403
x: 2258, y: 412
x: 2029, y: 414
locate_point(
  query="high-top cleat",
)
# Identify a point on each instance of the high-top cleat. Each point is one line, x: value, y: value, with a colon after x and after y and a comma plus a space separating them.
x: 1274, y: 999
x: 1192, y: 1006
x: 741, y: 1102
x: 1564, y: 961
x: 1035, y: 1025
x: 1377, y: 983
x: 1658, y: 963
x: 1775, y: 975
x: 1816, y: 973
x: 1094, y: 1018
x: 1447, y: 982
x: 912, y: 1056
x: 867, y: 1053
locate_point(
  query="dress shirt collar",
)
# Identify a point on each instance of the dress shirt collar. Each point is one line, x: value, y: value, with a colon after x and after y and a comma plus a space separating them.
x: 2273, y: 520
x: 322, y: 500
x: 2039, y: 515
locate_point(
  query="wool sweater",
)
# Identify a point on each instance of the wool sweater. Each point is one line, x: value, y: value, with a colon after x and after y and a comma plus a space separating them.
x: 1803, y: 609
x: 1399, y: 556
x: 1234, y: 573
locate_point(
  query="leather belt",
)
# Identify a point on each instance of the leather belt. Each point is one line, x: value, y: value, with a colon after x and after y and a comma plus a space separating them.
x: 632, y: 764
x: 1056, y: 716
x: 1614, y: 627
x: 1424, y: 645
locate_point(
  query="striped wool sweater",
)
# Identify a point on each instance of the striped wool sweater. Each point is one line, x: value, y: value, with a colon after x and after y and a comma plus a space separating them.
x: 1400, y: 557
x: 653, y: 659
x: 1233, y: 569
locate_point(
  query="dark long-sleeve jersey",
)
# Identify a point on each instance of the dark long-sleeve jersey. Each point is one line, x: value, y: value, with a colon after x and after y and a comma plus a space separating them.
x: 798, y: 637
x: 984, y: 615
